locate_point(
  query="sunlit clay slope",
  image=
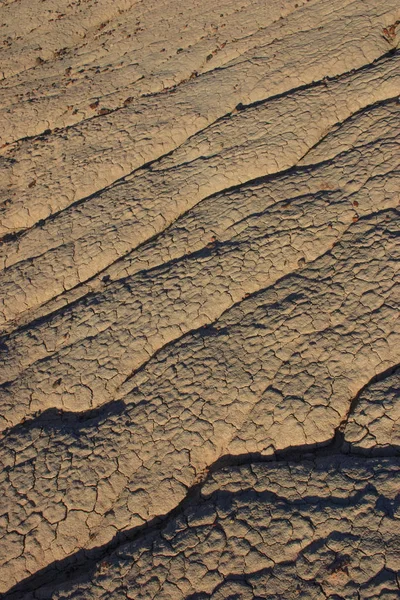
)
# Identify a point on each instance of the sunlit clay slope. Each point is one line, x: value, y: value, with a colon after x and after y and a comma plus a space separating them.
x: 199, y: 300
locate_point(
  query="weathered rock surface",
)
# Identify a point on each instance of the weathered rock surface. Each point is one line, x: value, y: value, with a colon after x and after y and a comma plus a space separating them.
x: 199, y: 299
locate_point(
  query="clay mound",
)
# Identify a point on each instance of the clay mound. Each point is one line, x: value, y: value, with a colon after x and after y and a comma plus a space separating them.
x: 199, y: 391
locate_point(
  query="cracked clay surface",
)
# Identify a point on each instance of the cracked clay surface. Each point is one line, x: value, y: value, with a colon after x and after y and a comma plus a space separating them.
x: 199, y: 300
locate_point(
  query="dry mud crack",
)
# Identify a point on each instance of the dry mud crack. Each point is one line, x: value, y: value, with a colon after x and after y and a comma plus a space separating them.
x: 199, y: 300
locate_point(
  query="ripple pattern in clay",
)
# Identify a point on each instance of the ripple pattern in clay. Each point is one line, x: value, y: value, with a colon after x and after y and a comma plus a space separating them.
x: 199, y: 300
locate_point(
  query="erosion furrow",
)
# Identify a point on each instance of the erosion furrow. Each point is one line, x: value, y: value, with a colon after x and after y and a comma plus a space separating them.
x: 279, y: 369
x: 120, y: 59
x: 94, y: 155
x: 186, y: 234
x: 72, y: 568
x: 43, y: 366
x: 71, y: 248
x: 244, y: 503
x: 199, y: 300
